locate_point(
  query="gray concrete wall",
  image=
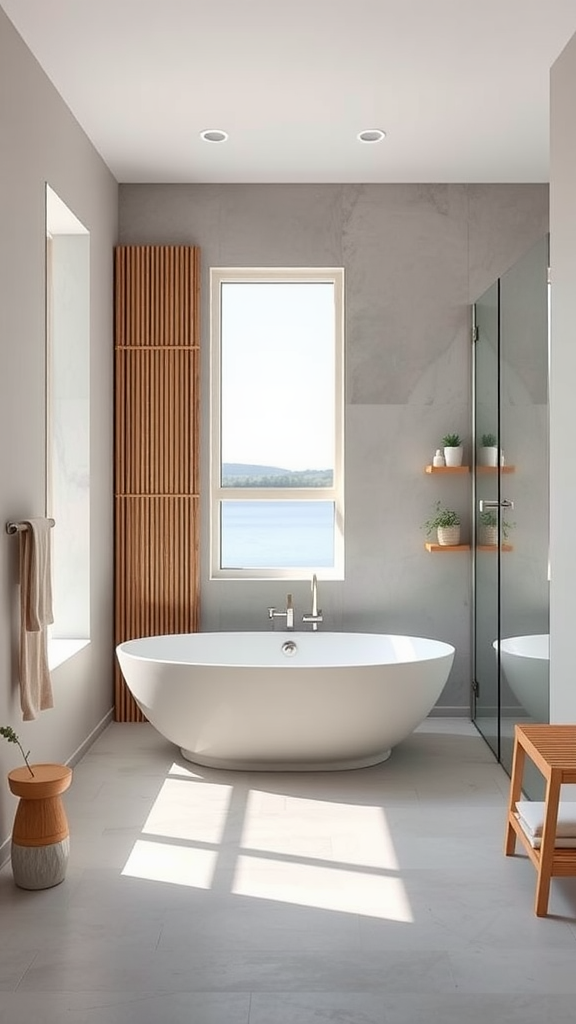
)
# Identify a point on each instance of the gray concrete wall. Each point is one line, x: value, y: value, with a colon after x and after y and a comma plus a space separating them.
x: 415, y: 257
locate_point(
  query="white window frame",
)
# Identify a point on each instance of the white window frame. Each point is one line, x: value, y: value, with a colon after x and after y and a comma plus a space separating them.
x: 335, y: 493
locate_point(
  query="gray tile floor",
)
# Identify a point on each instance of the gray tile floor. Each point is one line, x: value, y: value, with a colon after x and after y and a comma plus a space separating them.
x: 378, y: 896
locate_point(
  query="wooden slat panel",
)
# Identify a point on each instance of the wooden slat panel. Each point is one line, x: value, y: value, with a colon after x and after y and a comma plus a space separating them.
x: 156, y: 447
x: 156, y: 421
x: 156, y: 570
x: 160, y: 288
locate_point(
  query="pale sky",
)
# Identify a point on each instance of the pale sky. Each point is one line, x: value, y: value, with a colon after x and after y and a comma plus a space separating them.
x: 278, y: 374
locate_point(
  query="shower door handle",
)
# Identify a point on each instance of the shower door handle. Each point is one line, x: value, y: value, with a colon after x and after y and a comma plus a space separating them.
x: 484, y: 505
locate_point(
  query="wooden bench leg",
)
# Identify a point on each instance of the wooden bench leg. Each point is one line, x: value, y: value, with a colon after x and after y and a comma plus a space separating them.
x: 519, y: 756
x: 548, y: 844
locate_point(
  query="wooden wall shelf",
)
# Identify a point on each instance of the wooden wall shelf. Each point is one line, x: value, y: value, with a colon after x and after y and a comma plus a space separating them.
x: 446, y: 547
x: 490, y: 470
x: 494, y: 547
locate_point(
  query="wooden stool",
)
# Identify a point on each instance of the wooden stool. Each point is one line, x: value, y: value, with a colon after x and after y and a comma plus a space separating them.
x: 40, y: 836
x: 552, y: 748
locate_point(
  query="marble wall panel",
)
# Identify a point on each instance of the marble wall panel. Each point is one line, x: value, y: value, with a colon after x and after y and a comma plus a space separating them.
x: 406, y: 285
x: 504, y: 222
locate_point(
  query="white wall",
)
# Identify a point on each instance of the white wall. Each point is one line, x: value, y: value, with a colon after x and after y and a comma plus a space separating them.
x: 41, y: 142
x: 563, y: 387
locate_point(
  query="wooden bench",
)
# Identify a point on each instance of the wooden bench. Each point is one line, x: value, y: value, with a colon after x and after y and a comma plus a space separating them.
x: 552, y: 748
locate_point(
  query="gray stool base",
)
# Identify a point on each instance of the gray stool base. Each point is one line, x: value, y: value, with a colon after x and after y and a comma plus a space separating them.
x: 40, y: 867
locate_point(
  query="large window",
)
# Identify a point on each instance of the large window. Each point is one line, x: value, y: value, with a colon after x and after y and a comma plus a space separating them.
x: 277, y: 423
x: 68, y: 425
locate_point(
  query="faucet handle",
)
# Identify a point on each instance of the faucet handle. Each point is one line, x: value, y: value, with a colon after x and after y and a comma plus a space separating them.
x: 271, y: 612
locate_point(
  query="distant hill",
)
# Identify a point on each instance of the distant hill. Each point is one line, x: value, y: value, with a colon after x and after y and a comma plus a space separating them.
x: 246, y: 469
x: 243, y: 474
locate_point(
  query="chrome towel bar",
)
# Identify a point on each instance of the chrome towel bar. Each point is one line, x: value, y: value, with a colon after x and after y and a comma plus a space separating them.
x: 20, y: 527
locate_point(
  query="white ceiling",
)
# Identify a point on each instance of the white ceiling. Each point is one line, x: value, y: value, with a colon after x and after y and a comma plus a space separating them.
x: 460, y: 86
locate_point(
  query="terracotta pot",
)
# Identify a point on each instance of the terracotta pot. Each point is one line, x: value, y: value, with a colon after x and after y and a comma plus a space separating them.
x: 40, y: 835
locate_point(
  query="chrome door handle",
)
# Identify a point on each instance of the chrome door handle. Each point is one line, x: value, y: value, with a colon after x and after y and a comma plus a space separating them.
x: 484, y: 505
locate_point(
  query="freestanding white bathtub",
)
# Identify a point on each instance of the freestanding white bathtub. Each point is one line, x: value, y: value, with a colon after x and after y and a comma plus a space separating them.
x: 285, y: 701
x: 525, y: 663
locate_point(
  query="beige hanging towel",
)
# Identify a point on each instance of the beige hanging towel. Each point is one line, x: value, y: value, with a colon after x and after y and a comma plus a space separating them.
x: 35, y: 615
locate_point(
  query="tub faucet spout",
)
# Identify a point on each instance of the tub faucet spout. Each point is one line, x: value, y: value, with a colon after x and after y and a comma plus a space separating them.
x: 316, y: 615
x: 288, y: 614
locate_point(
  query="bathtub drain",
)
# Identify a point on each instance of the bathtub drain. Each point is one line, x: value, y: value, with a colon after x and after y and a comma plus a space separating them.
x: 289, y: 648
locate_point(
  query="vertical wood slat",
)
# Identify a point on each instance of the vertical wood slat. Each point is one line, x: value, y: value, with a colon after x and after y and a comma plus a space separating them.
x: 156, y: 447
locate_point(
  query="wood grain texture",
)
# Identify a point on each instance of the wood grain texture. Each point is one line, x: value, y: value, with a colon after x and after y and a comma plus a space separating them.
x: 157, y: 406
x: 552, y: 748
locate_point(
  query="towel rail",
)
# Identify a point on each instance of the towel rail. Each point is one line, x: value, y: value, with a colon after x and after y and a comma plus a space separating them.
x: 12, y: 528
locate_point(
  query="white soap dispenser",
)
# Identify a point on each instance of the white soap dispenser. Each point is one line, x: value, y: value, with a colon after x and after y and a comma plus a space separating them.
x: 439, y: 459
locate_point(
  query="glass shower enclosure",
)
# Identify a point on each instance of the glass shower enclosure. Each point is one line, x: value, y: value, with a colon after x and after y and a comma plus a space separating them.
x: 510, y: 502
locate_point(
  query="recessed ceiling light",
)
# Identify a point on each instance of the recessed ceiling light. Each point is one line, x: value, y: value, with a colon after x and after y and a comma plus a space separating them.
x: 213, y: 135
x: 371, y: 135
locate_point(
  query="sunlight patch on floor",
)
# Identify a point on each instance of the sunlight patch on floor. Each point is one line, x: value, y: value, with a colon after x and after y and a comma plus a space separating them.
x: 183, y: 773
x: 306, y: 827
x: 326, y: 854
x: 164, y: 862
x: 190, y: 810
x: 324, y: 887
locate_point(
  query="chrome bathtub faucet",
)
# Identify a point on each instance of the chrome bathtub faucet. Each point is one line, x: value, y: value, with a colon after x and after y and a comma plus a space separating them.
x: 315, y: 615
x: 288, y: 614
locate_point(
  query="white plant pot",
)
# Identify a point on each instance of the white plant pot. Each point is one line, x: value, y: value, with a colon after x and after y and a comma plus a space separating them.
x: 487, y: 535
x: 453, y: 456
x: 488, y: 456
x: 448, y: 536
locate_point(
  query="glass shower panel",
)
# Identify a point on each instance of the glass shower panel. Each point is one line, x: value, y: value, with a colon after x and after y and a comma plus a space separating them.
x: 486, y: 582
x: 524, y: 598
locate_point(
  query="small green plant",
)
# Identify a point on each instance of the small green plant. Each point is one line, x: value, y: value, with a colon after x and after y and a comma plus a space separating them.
x: 491, y: 519
x: 451, y: 441
x: 8, y: 733
x: 442, y: 517
x: 488, y: 441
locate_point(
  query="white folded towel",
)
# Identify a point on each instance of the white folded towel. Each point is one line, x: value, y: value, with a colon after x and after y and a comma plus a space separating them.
x: 561, y: 842
x: 531, y: 814
x: 35, y: 615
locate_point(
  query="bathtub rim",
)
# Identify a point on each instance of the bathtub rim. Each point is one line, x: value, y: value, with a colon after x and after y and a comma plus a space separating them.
x: 503, y: 646
x: 437, y: 649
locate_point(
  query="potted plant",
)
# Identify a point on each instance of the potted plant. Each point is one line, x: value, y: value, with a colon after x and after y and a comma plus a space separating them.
x: 488, y: 450
x: 488, y: 528
x: 8, y: 733
x: 452, y: 449
x: 40, y: 835
x: 447, y: 523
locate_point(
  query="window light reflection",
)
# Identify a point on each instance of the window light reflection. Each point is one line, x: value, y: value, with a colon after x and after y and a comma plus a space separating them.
x: 166, y: 862
x: 325, y: 887
x: 313, y: 828
x: 191, y: 810
x: 270, y: 846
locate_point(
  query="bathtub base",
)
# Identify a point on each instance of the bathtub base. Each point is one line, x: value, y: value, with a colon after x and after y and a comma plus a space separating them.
x: 232, y: 764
